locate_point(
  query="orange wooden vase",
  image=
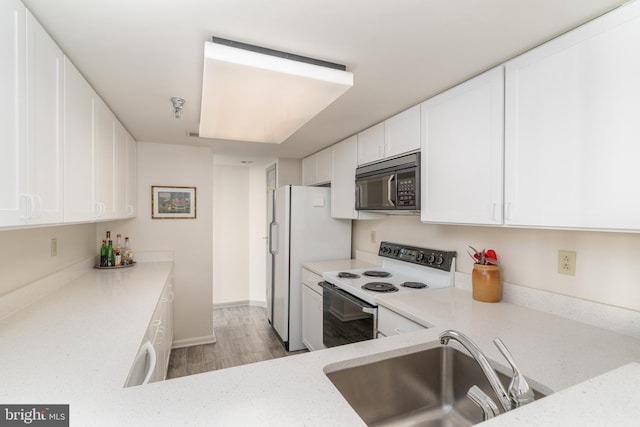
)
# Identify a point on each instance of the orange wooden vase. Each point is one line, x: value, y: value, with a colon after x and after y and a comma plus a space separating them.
x: 487, y: 283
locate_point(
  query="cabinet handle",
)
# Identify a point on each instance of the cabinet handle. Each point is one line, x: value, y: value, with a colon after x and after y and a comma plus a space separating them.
x: 129, y: 210
x: 152, y: 360
x: 28, y: 199
x: 508, y: 211
x: 37, y: 211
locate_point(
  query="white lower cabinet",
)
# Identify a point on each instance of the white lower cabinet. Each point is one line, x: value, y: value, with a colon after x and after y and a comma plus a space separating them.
x: 392, y: 323
x: 152, y: 360
x: 311, y: 311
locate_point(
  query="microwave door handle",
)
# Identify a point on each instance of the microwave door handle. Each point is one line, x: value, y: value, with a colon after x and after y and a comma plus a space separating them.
x: 389, y: 186
x: 358, y: 202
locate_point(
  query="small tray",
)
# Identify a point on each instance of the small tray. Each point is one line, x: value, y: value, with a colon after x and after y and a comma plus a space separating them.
x: 116, y: 267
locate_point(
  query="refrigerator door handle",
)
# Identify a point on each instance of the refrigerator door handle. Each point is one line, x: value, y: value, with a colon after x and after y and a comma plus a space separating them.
x: 271, y: 238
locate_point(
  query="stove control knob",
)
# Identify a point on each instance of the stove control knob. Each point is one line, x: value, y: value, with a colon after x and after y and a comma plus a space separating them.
x: 420, y: 257
x: 431, y: 259
x: 396, y: 251
x: 439, y: 260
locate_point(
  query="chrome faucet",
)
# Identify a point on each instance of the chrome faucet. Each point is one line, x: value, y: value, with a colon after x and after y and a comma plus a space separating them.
x: 519, y: 392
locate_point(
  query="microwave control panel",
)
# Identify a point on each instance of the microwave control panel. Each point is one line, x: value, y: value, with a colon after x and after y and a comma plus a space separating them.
x: 406, y: 191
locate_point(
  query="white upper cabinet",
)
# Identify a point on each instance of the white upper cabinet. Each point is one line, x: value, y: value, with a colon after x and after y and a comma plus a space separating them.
x: 371, y: 144
x: 324, y: 166
x: 65, y: 157
x: 397, y: 135
x: 105, y: 161
x: 45, y: 125
x: 462, y: 152
x: 572, y: 135
x: 78, y: 146
x: 13, y: 113
x: 309, y: 170
x: 120, y: 170
x: 317, y: 168
x: 31, y: 119
x: 131, y: 177
x: 402, y: 132
x: 343, y: 182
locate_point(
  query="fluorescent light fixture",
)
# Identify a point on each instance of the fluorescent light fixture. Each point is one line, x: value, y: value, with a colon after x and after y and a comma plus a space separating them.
x: 260, y: 95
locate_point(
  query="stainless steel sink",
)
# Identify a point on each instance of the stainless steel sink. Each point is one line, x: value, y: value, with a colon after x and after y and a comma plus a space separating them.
x: 427, y: 388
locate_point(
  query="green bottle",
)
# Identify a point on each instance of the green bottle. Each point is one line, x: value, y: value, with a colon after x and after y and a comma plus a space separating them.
x: 111, y: 259
x: 103, y: 254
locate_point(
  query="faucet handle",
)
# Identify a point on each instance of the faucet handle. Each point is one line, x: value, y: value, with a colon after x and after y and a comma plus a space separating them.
x: 519, y: 390
x: 480, y: 398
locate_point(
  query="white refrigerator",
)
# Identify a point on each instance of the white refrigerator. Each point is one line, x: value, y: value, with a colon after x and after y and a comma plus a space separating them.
x: 301, y: 230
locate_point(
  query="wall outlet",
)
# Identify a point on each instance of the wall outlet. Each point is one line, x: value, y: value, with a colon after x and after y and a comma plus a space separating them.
x: 54, y: 247
x: 567, y: 263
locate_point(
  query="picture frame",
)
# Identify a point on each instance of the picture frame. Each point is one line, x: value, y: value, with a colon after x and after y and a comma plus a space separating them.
x: 170, y: 202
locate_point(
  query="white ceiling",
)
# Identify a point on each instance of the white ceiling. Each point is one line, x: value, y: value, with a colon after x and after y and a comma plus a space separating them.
x: 138, y: 54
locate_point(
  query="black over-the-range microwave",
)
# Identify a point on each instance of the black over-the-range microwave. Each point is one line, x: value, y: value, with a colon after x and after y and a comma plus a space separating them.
x: 391, y: 185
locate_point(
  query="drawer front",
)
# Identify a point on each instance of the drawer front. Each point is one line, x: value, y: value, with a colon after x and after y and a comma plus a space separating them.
x: 312, y: 279
x: 391, y: 323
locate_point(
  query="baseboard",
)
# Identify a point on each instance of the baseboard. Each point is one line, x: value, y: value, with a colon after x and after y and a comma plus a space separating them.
x: 188, y: 342
x: 253, y: 303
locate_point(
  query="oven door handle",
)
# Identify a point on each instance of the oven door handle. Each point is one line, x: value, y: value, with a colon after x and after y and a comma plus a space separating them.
x: 363, y: 306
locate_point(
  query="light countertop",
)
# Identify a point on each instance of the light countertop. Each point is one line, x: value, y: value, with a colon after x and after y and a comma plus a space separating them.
x: 77, y: 346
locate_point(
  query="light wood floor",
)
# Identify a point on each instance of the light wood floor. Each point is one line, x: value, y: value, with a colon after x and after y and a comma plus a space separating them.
x: 243, y: 335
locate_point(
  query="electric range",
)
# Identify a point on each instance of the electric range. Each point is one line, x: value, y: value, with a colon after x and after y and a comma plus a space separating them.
x: 404, y: 269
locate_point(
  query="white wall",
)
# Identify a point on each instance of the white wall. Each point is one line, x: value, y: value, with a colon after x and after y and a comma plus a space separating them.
x: 25, y: 255
x: 607, y: 267
x: 190, y: 239
x: 231, y: 235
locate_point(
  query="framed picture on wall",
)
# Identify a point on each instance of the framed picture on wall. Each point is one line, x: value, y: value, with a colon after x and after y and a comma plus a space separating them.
x: 173, y: 202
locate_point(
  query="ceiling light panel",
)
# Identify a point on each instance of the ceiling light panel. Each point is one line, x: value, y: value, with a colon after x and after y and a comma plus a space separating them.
x: 252, y: 96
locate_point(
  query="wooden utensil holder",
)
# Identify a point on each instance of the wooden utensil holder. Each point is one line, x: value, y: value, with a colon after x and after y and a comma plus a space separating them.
x: 487, y: 283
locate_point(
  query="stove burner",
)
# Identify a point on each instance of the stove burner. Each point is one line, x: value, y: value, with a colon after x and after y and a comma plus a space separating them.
x: 379, y: 287
x: 347, y: 275
x: 377, y: 273
x: 415, y: 285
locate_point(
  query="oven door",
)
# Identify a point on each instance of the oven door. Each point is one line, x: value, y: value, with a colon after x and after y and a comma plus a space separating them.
x: 345, y: 318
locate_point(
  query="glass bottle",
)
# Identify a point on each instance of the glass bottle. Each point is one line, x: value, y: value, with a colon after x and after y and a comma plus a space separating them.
x: 110, y: 255
x: 103, y: 254
x: 127, y: 256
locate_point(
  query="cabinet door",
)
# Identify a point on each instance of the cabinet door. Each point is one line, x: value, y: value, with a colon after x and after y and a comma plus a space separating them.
x: 132, y: 177
x: 309, y: 170
x: 120, y: 170
x: 343, y: 181
x: 78, y: 146
x: 324, y: 166
x: 105, y: 161
x: 44, y: 125
x: 462, y: 153
x: 311, y: 319
x: 13, y: 112
x: 402, y: 132
x: 572, y: 128
x: 371, y: 144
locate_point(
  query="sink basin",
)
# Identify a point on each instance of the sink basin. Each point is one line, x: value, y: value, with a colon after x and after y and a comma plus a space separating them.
x: 427, y: 388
